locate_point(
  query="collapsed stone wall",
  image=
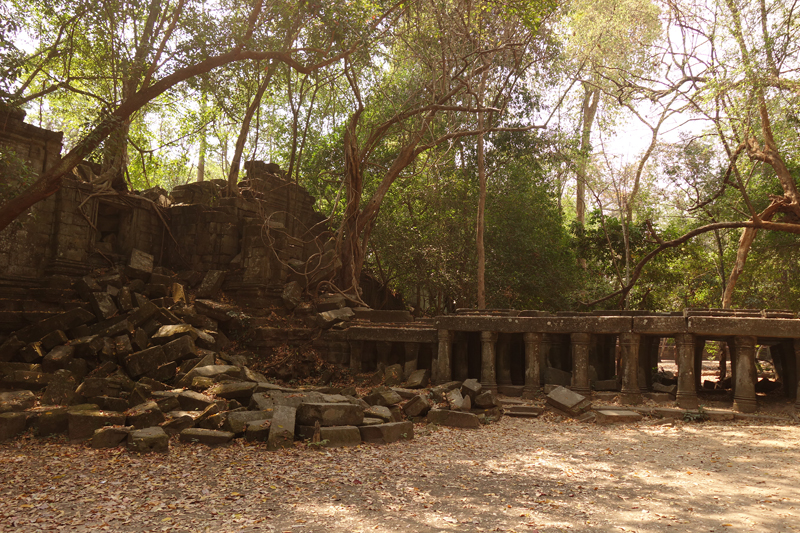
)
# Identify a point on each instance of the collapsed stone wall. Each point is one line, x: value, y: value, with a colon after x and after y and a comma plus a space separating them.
x: 261, y: 238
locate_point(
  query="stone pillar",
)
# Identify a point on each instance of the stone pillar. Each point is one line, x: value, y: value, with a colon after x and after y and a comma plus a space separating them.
x: 441, y: 369
x: 744, y: 397
x: 686, y: 396
x: 580, y: 362
x: 356, y: 353
x: 488, y: 360
x: 533, y: 369
x: 503, y: 353
x: 384, y: 353
x: 629, y: 364
x: 412, y: 358
x: 460, y: 360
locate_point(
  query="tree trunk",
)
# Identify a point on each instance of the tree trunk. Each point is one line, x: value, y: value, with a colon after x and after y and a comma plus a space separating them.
x: 481, y: 223
x: 591, y: 98
x: 233, y: 175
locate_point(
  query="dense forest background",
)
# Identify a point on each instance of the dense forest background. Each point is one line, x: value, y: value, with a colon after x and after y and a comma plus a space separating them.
x: 636, y: 154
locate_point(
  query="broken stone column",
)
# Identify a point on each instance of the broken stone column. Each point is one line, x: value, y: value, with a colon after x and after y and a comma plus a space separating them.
x: 686, y: 395
x: 629, y: 363
x: 356, y: 353
x: 441, y: 367
x: 412, y: 358
x: 533, y: 367
x: 744, y: 397
x: 488, y: 360
x: 384, y: 353
x: 580, y: 362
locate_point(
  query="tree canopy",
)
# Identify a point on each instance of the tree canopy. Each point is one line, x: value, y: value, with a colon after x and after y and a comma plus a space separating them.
x: 640, y: 154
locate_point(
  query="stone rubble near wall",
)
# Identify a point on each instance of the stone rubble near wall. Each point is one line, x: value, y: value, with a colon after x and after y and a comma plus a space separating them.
x: 136, y: 375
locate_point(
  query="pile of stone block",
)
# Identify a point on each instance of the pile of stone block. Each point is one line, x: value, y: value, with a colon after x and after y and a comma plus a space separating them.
x: 137, y: 362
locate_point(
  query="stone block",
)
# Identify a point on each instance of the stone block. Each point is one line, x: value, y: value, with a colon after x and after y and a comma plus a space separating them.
x: 140, y: 363
x: 257, y: 430
x: 64, y: 321
x: 393, y: 375
x: 22, y: 379
x: 387, y: 433
x: 471, y: 388
x: 340, y: 436
x: 669, y: 389
x: 615, y: 416
x: 140, y: 265
x: 10, y: 348
x: 194, y: 401
x: 329, y: 414
x: 486, y: 400
x: 327, y: 319
x: 606, y: 385
x: 109, y: 403
x: 417, y: 406
x: 211, y: 284
x: 292, y: 295
x: 439, y: 392
x: 418, y: 379
x: 455, y: 400
x: 171, y: 332
x: 234, y: 390
x: 53, y: 339
x: 524, y: 411
x: 281, y: 431
x: 177, y: 423
x: 32, y: 352
x: 569, y: 402
x: 57, y: 358
x: 62, y: 390
x: 379, y: 411
x: 103, y: 305
x: 456, y: 419
x: 12, y: 424
x: 109, y: 437
x: 218, y: 311
x: 237, y: 421
x: 209, y: 437
x: 82, y: 424
x: 125, y: 299
x: 383, y: 396
x: 330, y: 302
x: 145, y: 415
x: 51, y: 422
x: 16, y: 401
x: 148, y: 440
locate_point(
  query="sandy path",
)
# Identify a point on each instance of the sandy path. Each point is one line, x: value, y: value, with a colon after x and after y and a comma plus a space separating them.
x: 517, y: 475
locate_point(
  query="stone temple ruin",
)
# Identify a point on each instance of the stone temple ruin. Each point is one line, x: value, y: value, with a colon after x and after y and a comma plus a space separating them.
x: 120, y: 308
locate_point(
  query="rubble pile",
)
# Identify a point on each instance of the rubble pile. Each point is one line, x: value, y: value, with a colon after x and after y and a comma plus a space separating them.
x: 138, y: 362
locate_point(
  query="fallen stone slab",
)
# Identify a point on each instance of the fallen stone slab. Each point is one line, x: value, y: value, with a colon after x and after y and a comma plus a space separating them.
x: 607, y: 416
x: 385, y: 397
x: 82, y: 424
x: 418, y: 379
x: 393, y: 375
x: 439, y: 392
x: 471, y: 388
x: 340, y: 436
x: 486, y: 400
x: 211, y: 284
x: 140, y: 363
x: 327, y: 319
x: 51, y: 422
x: 456, y: 419
x: 209, y: 437
x: 237, y: 421
x: 669, y: 389
x: 12, y: 424
x: 569, y: 402
x: 257, y: 430
x: 148, y: 440
x: 329, y: 414
x: 16, y: 400
x: 387, y: 433
x: 178, y: 422
x: 524, y: 411
x: 218, y: 311
x: 554, y: 376
x: 145, y: 415
x: 371, y: 421
x: 194, y: 401
x: 281, y: 431
x: 378, y: 411
x: 110, y: 436
x: 234, y: 390
x: 455, y: 400
x: 417, y: 406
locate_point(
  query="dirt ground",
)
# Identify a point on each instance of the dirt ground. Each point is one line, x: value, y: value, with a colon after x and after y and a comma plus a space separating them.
x: 546, y: 475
